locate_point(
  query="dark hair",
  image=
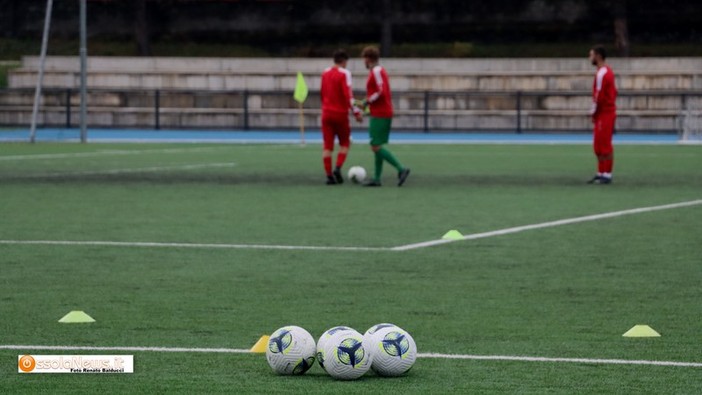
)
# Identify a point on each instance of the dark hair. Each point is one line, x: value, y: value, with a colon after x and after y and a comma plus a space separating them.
x: 371, y: 53
x: 600, y: 50
x: 340, y: 56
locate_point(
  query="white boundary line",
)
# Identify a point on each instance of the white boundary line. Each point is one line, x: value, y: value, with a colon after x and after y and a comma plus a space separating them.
x: 108, y: 153
x: 296, y: 141
x: 406, y: 247
x: 550, y: 224
x: 567, y: 360
x: 137, y: 349
x: 188, y: 245
x: 420, y: 355
x: 133, y: 170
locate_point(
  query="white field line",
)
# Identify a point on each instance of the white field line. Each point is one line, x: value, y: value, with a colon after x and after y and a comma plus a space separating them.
x: 135, y: 349
x: 550, y: 224
x: 132, y: 170
x: 352, y: 248
x: 188, y: 245
x: 567, y: 360
x: 108, y: 153
x: 296, y: 141
x: 420, y: 355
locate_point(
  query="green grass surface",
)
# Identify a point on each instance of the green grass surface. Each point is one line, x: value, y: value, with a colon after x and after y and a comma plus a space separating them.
x: 567, y: 291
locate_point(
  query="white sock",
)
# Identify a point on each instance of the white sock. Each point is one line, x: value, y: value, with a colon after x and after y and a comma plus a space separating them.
x: 607, y: 175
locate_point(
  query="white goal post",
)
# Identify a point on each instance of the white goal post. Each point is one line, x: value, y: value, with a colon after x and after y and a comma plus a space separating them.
x: 691, y: 127
x: 83, y: 71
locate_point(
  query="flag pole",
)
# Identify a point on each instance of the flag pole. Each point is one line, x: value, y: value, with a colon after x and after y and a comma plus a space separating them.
x: 83, y: 71
x: 302, y: 126
x: 300, y: 95
x: 40, y: 77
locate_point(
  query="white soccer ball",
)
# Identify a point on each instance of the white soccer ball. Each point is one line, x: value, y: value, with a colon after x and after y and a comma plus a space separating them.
x: 321, y: 343
x: 345, y: 357
x: 392, y: 349
x: 357, y: 174
x: 291, y: 350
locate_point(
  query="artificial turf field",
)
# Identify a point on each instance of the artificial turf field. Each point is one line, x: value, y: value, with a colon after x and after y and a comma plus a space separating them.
x: 562, y: 292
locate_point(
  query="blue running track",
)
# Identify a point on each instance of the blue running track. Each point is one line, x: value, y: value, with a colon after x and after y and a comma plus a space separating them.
x: 314, y: 137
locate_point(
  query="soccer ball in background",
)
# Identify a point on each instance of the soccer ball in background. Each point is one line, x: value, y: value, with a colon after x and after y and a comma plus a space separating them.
x: 290, y: 350
x: 345, y: 357
x: 323, y: 341
x: 393, y: 350
x: 357, y: 174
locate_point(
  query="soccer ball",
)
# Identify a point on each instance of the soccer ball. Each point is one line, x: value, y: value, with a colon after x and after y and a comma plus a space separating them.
x: 290, y: 350
x: 345, y: 357
x: 393, y: 350
x: 357, y: 174
x: 323, y: 341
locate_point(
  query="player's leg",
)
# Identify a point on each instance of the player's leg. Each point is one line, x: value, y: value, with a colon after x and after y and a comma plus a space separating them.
x: 328, y: 148
x: 382, y: 139
x: 606, y: 149
x: 344, y: 135
x: 380, y: 135
x: 596, y: 144
x: 602, y: 143
x: 402, y: 171
x: 375, y: 133
x: 378, y: 168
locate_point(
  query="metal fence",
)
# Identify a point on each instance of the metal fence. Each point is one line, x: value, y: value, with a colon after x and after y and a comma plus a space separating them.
x: 421, y: 111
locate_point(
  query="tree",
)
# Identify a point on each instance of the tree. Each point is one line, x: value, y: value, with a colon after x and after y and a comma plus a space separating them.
x: 386, y: 29
x: 621, y: 27
x: 9, y: 18
x: 141, y: 27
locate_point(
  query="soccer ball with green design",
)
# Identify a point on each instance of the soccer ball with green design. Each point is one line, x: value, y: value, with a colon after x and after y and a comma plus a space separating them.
x: 345, y: 357
x: 392, y: 349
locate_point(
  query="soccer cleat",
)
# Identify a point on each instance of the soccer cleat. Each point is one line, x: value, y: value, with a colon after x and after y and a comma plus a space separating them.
x: 402, y: 176
x: 595, y: 180
x: 331, y: 180
x: 373, y: 183
x: 337, y: 176
x: 604, y: 180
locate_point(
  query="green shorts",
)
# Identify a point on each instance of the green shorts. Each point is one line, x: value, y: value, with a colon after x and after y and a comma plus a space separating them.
x: 379, y: 130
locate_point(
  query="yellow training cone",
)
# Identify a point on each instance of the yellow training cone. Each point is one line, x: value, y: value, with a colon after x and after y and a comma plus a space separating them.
x: 641, y: 331
x: 452, y: 235
x: 76, y: 317
x: 261, y: 344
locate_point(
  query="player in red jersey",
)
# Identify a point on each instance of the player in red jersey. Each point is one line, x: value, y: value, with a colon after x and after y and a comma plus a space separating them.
x: 379, y: 100
x: 604, y: 113
x: 337, y: 98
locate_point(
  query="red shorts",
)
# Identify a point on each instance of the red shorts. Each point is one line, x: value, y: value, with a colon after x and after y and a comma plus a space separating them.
x: 602, y: 136
x: 335, y: 125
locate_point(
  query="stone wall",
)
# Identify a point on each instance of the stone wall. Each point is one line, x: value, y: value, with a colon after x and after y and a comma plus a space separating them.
x: 441, y: 94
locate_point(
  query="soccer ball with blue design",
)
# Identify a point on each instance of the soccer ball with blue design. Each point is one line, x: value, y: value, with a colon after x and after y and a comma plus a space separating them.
x: 291, y: 350
x: 321, y: 343
x: 345, y: 357
x: 392, y: 349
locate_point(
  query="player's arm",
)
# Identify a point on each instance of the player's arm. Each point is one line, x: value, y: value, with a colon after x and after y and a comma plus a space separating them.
x: 348, y: 95
x: 321, y: 89
x: 597, y: 98
x: 593, y: 106
x: 378, y: 82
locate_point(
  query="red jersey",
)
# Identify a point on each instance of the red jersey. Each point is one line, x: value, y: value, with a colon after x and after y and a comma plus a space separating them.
x: 604, y: 92
x: 378, y: 93
x: 336, y: 94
